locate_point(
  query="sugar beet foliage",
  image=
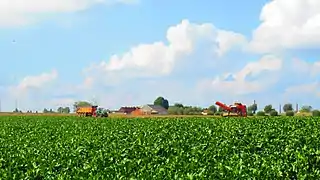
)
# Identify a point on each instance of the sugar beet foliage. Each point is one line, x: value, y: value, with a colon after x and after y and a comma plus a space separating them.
x: 159, y: 148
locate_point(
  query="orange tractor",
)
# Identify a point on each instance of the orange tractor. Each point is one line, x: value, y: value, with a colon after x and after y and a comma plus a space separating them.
x: 237, y: 109
x: 92, y: 111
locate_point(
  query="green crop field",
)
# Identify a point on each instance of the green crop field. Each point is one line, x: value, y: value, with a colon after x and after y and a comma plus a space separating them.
x: 40, y: 147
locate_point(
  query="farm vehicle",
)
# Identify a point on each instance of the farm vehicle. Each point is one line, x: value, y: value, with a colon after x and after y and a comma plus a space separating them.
x: 237, y: 109
x: 92, y: 111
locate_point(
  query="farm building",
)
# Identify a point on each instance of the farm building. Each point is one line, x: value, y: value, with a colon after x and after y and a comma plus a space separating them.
x: 137, y: 112
x: 205, y: 112
x: 153, y: 109
x: 127, y: 110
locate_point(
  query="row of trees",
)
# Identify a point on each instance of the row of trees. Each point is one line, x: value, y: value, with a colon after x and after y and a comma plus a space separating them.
x: 287, y: 109
x: 64, y: 110
x: 177, y: 108
x: 180, y: 109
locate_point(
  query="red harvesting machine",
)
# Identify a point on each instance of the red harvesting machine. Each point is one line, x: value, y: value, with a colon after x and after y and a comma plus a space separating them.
x: 238, y: 109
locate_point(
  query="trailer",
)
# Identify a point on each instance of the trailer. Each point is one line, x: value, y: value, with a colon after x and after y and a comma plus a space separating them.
x: 91, y: 111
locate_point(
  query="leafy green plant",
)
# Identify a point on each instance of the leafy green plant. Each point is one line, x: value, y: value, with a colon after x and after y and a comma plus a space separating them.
x: 35, y: 147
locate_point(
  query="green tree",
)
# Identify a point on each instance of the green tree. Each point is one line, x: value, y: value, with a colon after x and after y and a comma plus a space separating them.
x: 289, y: 113
x: 250, y: 113
x: 160, y: 101
x: 212, y: 109
x: 81, y: 104
x: 179, y: 105
x: 306, y: 109
x: 253, y: 108
x: 180, y: 111
x: 165, y: 104
x: 173, y: 110
x: 220, y: 109
x: 287, y: 107
x: 273, y: 113
x: 261, y: 113
x: 66, y: 110
x: 60, y: 110
x: 268, y: 108
x: 316, y: 113
x: 187, y: 111
x: 45, y: 110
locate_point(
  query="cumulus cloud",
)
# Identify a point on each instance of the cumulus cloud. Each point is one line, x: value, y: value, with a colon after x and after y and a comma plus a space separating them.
x: 160, y: 58
x: 313, y: 69
x: 287, y: 25
x: 148, y: 69
x: 37, y: 81
x: 238, y: 84
x: 17, y: 12
x: 303, y: 93
x: 32, y: 91
x: 312, y: 88
x: 33, y: 83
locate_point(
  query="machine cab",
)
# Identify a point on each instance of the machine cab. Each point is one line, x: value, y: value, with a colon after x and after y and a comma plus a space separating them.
x: 234, y: 109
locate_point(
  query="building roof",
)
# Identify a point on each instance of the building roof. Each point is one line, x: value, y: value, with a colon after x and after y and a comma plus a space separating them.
x: 157, y: 108
x: 128, y: 109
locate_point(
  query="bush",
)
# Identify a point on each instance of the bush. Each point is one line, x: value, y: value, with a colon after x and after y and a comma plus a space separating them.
x: 315, y: 113
x: 261, y: 113
x: 289, y: 113
x: 250, y: 113
x: 218, y: 113
x: 274, y: 113
x: 210, y: 113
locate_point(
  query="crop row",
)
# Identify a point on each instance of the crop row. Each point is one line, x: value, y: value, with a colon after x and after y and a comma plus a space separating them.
x: 159, y: 148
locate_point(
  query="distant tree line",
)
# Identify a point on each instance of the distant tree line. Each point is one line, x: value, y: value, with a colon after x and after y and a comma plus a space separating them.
x: 180, y: 109
x: 62, y: 110
x: 287, y: 109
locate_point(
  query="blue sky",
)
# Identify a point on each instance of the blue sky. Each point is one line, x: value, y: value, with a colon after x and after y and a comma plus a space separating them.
x: 56, y: 52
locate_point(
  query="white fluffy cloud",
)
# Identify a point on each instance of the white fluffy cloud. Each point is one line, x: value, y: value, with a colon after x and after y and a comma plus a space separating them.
x: 236, y: 84
x: 148, y: 69
x: 33, y: 85
x: 31, y: 93
x: 287, y: 24
x: 283, y: 26
x: 313, y: 69
x: 308, y: 85
x: 37, y: 81
x: 17, y: 12
x: 312, y: 88
x: 160, y: 59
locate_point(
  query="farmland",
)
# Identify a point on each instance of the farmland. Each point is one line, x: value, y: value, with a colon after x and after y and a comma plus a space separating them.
x: 57, y: 147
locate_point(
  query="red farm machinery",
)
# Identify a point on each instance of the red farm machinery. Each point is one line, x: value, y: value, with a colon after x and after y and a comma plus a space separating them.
x: 92, y: 111
x: 237, y: 109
